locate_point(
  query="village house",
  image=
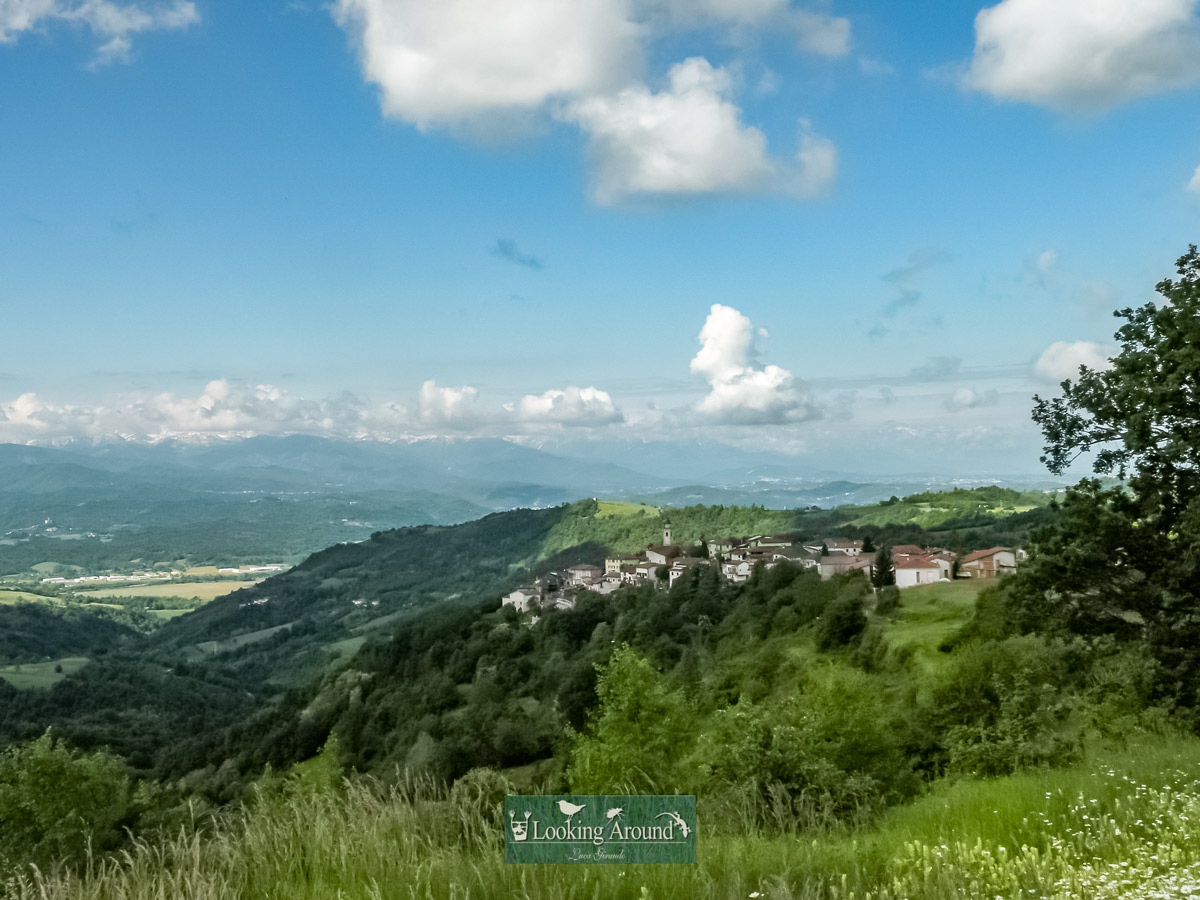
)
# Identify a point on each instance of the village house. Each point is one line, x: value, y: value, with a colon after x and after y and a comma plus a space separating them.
x: 524, y: 599
x: 914, y: 570
x: 988, y: 563
x: 839, y: 563
x: 583, y: 574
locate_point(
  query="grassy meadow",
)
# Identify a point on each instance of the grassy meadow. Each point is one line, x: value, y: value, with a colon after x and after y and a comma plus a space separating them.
x: 1121, y: 823
x: 42, y: 675
x: 10, y: 597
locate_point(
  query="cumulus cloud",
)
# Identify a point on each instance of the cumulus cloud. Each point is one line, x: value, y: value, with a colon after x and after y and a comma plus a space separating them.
x: 228, y: 409
x: 1082, y: 55
x: 220, y: 409
x: 113, y: 24
x: 572, y: 406
x: 476, y: 62
x: 1061, y: 360
x: 455, y: 406
x: 741, y: 392
x: 689, y: 139
x: 1194, y: 184
x: 487, y: 69
x: 967, y: 398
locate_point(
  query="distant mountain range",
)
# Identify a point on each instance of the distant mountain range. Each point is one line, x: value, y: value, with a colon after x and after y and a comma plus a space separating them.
x: 110, y: 503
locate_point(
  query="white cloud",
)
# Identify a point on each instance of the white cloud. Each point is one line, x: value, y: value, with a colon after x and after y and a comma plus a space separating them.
x: 1084, y: 54
x: 113, y: 24
x: 220, y: 409
x: 1194, y: 184
x: 492, y: 69
x: 822, y: 33
x: 967, y: 398
x: 476, y: 62
x: 741, y: 393
x: 448, y: 405
x: 689, y: 139
x: 1061, y: 360
x: 229, y: 409
x: 572, y: 406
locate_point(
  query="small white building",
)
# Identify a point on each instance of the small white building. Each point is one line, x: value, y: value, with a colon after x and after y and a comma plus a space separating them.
x: 912, y: 571
x: 523, y: 599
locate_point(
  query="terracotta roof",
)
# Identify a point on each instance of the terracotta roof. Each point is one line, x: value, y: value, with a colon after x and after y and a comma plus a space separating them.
x: 841, y: 542
x: 916, y: 562
x: 984, y: 554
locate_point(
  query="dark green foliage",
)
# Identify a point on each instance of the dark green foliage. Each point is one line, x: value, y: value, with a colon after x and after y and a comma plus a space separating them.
x: 831, y: 753
x: 30, y: 632
x: 1006, y: 704
x: 844, y: 619
x: 887, y: 601
x: 57, y: 804
x: 883, y: 574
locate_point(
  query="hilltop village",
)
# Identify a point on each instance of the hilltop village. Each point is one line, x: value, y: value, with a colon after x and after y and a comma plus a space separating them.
x: 738, y: 557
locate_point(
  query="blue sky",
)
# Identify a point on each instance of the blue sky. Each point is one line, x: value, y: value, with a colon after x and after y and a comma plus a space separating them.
x: 857, y: 234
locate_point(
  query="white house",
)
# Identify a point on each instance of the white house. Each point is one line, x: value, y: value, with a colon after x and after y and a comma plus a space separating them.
x: 523, y: 599
x: 915, y: 570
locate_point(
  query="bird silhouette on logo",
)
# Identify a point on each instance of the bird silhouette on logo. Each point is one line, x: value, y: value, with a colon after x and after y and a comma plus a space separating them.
x: 569, y: 809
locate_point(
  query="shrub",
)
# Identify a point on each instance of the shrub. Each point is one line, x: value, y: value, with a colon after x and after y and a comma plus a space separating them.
x: 56, y: 804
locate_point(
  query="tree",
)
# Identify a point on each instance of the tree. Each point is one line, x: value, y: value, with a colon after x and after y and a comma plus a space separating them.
x: 1127, y: 561
x: 637, y: 734
x: 884, y: 572
x: 1141, y: 415
x: 57, y: 803
x: 868, y: 545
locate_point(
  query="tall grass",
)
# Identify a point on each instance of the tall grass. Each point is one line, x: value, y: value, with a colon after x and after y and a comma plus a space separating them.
x: 1118, y: 825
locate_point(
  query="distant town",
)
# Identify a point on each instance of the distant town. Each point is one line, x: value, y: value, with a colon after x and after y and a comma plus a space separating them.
x: 159, y: 576
x: 737, y: 559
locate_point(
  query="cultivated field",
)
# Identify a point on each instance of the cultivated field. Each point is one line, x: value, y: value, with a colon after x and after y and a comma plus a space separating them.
x: 198, y: 590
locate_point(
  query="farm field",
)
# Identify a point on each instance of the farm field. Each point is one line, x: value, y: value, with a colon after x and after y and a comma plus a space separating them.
x: 43, y: 674
x: 10, y: 597
x: 198, y: 590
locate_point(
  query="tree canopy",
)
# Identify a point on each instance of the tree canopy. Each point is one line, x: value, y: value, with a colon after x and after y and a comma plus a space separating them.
x: 1142, y: 415
x: 1125, y: 561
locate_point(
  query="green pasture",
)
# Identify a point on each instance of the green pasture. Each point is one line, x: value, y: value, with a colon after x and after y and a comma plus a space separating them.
x: 930, y: 614
x: 42, y: 674
x: 10, y: 597
x: 612, y: 508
